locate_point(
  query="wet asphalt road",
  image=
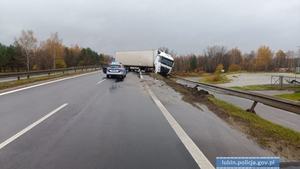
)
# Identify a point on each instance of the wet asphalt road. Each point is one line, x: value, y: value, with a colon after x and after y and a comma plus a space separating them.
x: 109, y: 124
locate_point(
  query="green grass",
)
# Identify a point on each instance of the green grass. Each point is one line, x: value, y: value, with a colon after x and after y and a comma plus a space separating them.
x: 293, y: 96
x: 265, y: 132
x: 266, y: 87
x: 21, y: 82
x: 188, y: 74
x: 206, y: 77
x: 216, y: 79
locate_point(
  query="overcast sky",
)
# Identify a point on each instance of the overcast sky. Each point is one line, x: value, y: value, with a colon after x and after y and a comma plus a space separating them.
x: 185, y: 26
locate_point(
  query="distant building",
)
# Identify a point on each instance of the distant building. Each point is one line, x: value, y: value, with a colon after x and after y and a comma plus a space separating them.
x: 283, y: 69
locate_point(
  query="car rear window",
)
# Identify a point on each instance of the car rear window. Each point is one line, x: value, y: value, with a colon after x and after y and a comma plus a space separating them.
x: 115, y: 66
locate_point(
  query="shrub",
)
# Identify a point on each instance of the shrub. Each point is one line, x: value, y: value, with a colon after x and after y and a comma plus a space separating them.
x: 60, y: 63
x: 234, y: 68
x: 219, y: 69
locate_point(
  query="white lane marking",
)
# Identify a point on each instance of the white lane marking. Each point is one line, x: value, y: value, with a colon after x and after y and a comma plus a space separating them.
x: 192, y: 148
x: 101, y: 81
x: 14, y: 137
x: 41, y: 84
x: 141, y: 76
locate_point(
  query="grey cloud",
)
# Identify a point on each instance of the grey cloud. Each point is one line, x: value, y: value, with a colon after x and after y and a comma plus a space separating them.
x: 184, y: 26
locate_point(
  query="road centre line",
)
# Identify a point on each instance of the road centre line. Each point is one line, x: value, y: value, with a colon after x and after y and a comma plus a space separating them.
x: 141, y: 76
x: 192, y: 148
x: 101, y: 81
x: 20, y: 133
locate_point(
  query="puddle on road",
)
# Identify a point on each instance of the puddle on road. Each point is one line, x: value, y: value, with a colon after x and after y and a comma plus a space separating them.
x: 116, y: 84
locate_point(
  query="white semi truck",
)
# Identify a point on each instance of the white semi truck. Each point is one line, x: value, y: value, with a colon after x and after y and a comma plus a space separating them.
x: 148, y: 60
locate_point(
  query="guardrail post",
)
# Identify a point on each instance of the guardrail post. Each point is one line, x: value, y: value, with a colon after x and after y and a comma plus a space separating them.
x: 252, y: 107
x: 18, y: 77
x: 28, y: 76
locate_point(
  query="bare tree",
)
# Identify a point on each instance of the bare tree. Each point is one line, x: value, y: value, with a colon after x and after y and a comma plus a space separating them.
x: 28, y: 44
x: 215, y: 55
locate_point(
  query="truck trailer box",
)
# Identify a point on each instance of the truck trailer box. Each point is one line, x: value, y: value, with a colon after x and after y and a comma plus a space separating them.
x: 141, y: 59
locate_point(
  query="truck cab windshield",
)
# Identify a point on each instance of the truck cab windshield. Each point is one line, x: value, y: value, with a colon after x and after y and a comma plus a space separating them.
x: 166, y: 61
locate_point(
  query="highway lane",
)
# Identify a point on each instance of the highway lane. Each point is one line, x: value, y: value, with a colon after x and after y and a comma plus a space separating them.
x: 106, y: 124
x: 19, y: 109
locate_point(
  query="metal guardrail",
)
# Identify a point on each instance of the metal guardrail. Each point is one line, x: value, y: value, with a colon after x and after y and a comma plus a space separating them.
x: 290, y: 106
x: 18, y: 75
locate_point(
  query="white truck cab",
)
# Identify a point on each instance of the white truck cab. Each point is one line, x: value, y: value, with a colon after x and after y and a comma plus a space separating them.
x: 163, y: 63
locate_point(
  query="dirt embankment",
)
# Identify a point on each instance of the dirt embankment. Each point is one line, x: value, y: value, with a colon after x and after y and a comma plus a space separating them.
x: 281, y: 141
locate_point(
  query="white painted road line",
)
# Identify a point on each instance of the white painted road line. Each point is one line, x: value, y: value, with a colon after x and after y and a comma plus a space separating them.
x: 141, y: 76
x: 101, y: 81
x: 192, y: 148
x: 41, y: 84
x: 14, y: 137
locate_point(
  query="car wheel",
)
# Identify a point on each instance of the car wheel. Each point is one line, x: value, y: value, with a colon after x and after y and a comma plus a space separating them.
x: 107, y: 76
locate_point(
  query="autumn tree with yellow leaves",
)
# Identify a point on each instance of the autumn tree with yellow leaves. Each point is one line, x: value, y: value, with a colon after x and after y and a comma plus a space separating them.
x: 263, y: 58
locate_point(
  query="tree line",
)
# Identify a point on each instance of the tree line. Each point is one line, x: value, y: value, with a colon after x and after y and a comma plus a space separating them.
x: 263, y: 59
x: 27, y: 54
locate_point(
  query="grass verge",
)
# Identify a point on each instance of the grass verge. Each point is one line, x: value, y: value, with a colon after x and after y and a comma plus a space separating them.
x: 22, y: 82
x: 216, y: 79
x: 293, y: 96
x: 280, y: 140
x: 266, y: 87
x: 188, y: 74
x: 205, y: 77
